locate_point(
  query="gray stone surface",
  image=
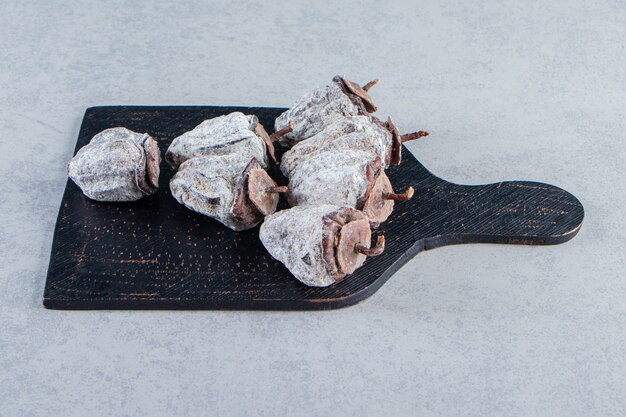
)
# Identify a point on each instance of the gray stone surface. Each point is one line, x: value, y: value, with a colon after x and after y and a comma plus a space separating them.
x: 509, y: 90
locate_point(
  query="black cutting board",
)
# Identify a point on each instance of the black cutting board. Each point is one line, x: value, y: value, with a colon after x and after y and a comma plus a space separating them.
x: 156, y: 254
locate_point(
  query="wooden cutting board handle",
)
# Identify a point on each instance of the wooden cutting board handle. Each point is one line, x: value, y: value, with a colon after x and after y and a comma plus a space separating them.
x: 514, y: 212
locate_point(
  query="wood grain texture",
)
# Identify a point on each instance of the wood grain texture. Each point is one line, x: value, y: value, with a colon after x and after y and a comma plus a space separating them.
x: 156, y: 254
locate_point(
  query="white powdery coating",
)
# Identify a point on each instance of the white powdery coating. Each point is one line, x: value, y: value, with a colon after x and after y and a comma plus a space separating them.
x: 353, y: 132
x: 294, y: 237
x: 229, y: 134
x: 329, y: 178
x: 314, y: 111
x: 207, y: 184
x: 110, y: 166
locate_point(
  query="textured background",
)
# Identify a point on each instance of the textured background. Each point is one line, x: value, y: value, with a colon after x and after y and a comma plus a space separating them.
x: 509, y: 90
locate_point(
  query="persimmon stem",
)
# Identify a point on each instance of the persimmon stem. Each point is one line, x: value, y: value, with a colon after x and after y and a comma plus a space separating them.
x: 371, y: 84
x: 282, y: 132
x: 399, y: 197
x: 375, y: 251
x: 278, y: 189
x: 412, y: 136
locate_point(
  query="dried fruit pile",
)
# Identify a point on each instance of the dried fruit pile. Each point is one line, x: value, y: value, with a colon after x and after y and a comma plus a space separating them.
x: 335, y: 165
x: 337, y: 183
x: 221, y: 170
